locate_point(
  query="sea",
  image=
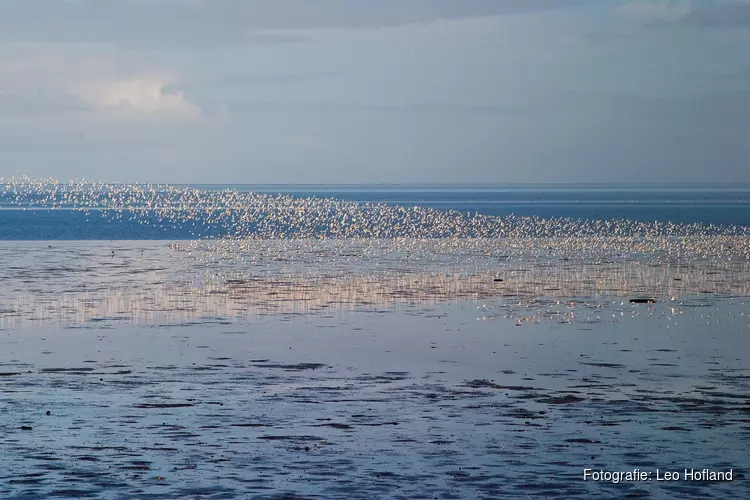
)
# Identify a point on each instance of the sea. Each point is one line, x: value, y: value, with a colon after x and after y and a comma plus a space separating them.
x: 380, y: 341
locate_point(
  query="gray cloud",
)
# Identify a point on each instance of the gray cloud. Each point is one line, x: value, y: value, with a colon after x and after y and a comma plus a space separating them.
x: 201, y: 22
x: 508, y: 99
x: 723, y: 14
x: 39, y: 103
x: 720, y: 16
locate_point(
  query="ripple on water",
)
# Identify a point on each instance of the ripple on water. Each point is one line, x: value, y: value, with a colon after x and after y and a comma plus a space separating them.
x: 292, y: 427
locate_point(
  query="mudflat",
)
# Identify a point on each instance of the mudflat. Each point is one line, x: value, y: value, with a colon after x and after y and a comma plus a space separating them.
x: 457, y: 399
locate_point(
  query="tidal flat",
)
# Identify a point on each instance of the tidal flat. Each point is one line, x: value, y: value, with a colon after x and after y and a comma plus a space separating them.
x: 135, y: 370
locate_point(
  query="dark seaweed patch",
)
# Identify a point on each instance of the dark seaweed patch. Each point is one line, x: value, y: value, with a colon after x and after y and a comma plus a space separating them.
x: 561, y: 400
x: 67, y: 370
x: 293, y: 367
x: 602, y: 365
x: 486, y: 384
x: 335, y: 425
x: 291, y: 438
x: 643, y: 301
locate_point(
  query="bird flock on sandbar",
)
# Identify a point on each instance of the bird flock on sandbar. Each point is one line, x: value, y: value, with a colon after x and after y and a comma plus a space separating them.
x: 243, y: 214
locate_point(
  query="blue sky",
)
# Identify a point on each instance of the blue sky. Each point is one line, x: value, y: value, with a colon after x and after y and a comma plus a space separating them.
x: 359, y: 91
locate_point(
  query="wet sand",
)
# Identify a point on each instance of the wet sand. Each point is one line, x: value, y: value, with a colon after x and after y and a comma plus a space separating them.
x: 458, y: 399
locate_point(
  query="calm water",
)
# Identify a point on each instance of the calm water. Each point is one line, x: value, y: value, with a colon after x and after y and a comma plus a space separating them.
x: 719, y: 205
x: 429, y: 403
x: 400, y: 364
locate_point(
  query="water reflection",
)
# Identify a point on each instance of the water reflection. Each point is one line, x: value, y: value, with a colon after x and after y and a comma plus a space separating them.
x: 232, y: 279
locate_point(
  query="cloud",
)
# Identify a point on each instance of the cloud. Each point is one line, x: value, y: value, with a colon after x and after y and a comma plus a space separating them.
x: 719, y: 13
x: 735, y: 14
x: 137, y: 96
x: 47, y: 80
x: 206, y: 22
x: 657, y: 11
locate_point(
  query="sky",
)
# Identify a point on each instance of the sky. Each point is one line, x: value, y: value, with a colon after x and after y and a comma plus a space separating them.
x: 386, y: 91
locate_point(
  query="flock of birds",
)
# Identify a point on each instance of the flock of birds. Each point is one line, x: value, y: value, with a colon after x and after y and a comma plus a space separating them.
x: 284, y: 251
x: 263, y: 216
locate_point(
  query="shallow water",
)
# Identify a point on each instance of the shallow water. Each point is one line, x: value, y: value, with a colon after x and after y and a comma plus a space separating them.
x: 373, y: 368
x: 537, y: 279
x: 422, y: 402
